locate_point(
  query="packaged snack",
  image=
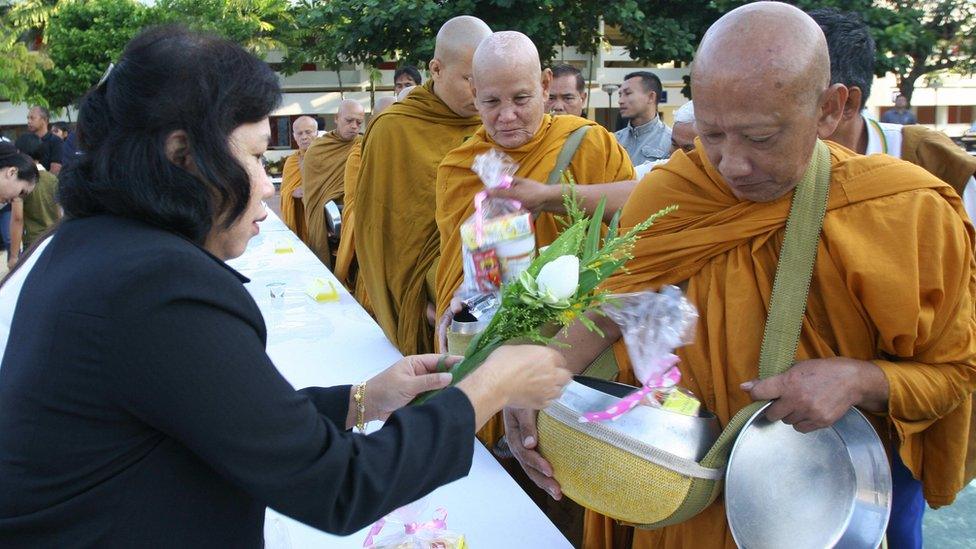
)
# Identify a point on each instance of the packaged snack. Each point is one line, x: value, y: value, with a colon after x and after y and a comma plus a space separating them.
x: 498, y: 240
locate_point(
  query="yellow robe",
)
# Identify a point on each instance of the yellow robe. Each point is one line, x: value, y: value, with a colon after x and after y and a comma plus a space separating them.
x: 893, y: 283
x: 599, y: 159
x: 934, y: 151
x: 293, y: 209
x: 396, y: 236
x: 322, y: 173
x: 347, y: 269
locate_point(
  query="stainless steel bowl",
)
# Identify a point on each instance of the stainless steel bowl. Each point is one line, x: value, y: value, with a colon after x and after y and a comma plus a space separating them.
x: 828, y: 488
x: 688, y: 437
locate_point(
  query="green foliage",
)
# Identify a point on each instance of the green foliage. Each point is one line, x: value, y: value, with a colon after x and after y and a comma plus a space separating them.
x: 83, y: 38
x: 21, y: 70
x: 372, y: 31
x: 260, y: 26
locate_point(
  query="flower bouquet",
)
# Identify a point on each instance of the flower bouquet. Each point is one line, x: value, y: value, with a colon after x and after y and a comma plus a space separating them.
x: 559, y: 286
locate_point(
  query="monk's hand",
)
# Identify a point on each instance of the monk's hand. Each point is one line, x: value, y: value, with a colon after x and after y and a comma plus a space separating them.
x: 522, y: 437
x: 445, y: 322
x: 814, y: 394
x: 396, y: 386
x: 533, y: 195
x: 298, y: 193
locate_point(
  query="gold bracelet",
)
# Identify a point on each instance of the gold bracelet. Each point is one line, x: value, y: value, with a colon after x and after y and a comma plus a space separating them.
x: 360, y: 397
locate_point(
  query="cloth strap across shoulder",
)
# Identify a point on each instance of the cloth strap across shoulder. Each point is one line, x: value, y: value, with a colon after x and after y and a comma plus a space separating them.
x: 566, y: 154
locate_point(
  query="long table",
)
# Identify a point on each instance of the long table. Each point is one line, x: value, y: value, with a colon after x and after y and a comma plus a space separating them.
x: 334, y: 343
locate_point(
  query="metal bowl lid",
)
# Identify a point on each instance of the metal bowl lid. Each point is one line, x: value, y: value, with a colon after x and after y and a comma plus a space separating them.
x: 827, y: 488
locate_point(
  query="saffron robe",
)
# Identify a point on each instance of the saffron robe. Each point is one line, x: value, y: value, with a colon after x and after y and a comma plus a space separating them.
x: 396, y: 237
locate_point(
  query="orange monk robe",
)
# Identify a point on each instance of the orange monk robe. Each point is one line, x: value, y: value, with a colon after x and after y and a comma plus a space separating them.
x: 322, y: 173
x: 396, y: 236
x: 292, y: 209
x: 347, y: 253
x: 599, y: 159
x: 347, y: 269
x: 893, y: 283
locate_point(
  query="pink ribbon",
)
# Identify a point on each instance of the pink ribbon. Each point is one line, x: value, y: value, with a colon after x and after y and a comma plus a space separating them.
x: 439, y: 522
x: 505, y: 183
x: 669, y: 377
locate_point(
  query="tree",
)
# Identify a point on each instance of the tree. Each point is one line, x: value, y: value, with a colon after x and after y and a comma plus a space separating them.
x: 21, y: 70
x: 83, y: 39
x: 932, y: 36
x: 260, y: 26
x: 371, y: 31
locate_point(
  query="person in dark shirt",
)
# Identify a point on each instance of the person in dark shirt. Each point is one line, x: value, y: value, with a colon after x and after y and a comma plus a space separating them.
x: 38, y: 119
x: 138, y: 407
x: 70, y: 148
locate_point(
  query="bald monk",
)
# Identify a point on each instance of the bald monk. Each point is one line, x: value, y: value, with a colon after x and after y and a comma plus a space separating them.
x: 511, y: 90
x: 346, y: 268
x: 304, y: 130
x: 396, y: 236
x: 323, y: 171
x: 889, y: 321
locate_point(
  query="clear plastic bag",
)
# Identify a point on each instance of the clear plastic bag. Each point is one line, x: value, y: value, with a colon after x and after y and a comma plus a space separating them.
x: 653, y: 325
x: 411, y: 530
x: 498, y: 240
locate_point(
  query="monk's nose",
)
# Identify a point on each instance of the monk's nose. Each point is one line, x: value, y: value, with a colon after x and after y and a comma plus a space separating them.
x: 734, y: 166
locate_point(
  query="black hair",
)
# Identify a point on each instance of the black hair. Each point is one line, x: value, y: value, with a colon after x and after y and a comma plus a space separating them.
x: 11, y: 157
x: 651, y: 83
x: 410, y: 71
x: 168, y: 79
x: 62, y: 127
x: 31, y: 145
x: 568, y: 70
x: 851, y: 47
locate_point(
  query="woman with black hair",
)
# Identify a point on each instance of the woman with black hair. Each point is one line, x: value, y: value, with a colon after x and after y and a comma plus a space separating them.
x: 18, y: 173
x: 137, y: 404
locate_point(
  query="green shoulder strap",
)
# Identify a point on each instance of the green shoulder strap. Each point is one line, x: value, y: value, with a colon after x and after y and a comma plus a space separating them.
x: 790, y: 289
x: 566, y: 154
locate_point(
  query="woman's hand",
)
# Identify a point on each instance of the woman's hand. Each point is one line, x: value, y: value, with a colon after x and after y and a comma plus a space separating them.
x: 396, y: 386
x: 517, y: 376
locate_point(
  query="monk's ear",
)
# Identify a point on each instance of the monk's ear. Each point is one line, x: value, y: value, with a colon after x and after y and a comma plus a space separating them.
x: 178, y: 150
x: 546, y: 82
x: 435, y: 66
x: 831, y: 110
x: 852, y: 107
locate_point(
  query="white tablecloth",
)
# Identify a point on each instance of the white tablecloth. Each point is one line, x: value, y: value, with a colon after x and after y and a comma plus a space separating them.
x: 336, y: 343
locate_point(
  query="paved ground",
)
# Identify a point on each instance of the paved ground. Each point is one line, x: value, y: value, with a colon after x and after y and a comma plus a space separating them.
x: 953, y: 527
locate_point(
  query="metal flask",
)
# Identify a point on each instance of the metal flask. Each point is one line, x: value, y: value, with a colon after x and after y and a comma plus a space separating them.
x: 827, y: 488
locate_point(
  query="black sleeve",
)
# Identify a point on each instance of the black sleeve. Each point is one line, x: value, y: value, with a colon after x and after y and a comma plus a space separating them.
x: 193, y: 366
x: 332, y: 402
x: 57, y: 151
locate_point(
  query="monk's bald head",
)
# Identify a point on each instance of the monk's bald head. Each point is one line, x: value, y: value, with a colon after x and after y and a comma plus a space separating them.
x: 304, y: 129
x: 450, y: 69
x: 761, y: 79
x: 349, y: 119
x: 505, y: 51
x: 458, y: 38
x: 510, y: 87
x: 767, y: 43
x: 382, y: 103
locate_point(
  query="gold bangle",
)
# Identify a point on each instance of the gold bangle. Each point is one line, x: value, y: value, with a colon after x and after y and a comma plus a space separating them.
x: 360, y: 397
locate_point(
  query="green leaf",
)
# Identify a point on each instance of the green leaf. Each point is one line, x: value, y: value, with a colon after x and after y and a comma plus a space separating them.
x: 593, y: 232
